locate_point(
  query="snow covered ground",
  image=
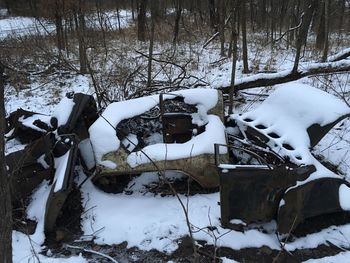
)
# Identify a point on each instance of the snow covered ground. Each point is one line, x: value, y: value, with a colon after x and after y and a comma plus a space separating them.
x: 22, y: 26
x: 25, y: 26
x: 149, y: 221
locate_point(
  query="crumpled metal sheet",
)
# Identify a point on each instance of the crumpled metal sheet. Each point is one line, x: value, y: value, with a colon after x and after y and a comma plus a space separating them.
x: 252, y: 194
x: 314, y: 198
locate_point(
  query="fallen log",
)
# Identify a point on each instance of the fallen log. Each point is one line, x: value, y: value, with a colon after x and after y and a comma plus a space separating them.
x: 336, y: 64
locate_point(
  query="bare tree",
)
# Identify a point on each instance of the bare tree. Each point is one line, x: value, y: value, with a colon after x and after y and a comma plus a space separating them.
x: 234, y: 23
x: 79, y: 19
x: 221, y: 16
x: 5, y: 195
x: 244, y: 37
x: 154, y: 18
x: 308, y: 10
x: 326, y: 30
x: 141, y: 20
x: 212, y: 14
x: 179, y: 4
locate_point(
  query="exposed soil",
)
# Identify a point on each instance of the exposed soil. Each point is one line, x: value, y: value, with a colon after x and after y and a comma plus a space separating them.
x: 206, y: 253
x: 113, y: 184
x: 185, y: 186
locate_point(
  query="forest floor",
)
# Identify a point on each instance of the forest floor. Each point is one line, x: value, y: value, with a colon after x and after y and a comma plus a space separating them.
x: 149, y: 226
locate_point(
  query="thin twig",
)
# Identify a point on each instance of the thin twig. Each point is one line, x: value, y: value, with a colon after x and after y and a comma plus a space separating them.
x: 93, y: 252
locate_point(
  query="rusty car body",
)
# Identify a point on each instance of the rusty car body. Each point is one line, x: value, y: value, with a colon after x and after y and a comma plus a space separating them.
x: 264, y: 187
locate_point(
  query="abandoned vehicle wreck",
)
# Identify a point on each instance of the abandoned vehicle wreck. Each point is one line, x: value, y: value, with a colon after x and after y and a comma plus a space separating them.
x: 261, y: 160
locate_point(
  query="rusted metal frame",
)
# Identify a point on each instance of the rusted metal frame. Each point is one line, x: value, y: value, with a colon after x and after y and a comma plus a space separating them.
x: 181, y: 123
x: 246, y: 142
x: 253, y: 194
x: 314, y: 198
x: 56, y: 200
x: 257, y: 156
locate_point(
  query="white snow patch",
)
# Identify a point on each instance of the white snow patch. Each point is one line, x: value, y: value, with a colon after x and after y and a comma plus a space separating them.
x: 154, y: 138
x: 87, y: 153
x: 130, y: 142
x: 28, y: 122
x: 154, y: 222
x: 21, y: 26
x: 337, y: 235
x: 228, y: 260
x: 282, y: 203
x: 341, y: 257
x: 13, y: 145
x: 63, y: 110
x: 60, y: 165
x: 344, y: 197
x: 235, y: 166
x: 42, y: 161
x: 200, y: 144
x: 237, y: 222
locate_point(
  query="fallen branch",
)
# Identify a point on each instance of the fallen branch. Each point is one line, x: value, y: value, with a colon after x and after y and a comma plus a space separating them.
x: 291, y: 29
x: 92, y: 252
x: 217, y: 33
x: 339, y: 56
x: 336, y: 64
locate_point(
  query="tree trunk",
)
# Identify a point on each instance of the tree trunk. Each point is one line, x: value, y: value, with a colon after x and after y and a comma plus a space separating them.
x: 82, y: 45
x: 320, y: 34
x: 244, y: 37
x: 141, y: 21
x: 326, y: 30
x: 177, y: 20
x: 251, y: 7
x: 58, y: 14
x: 222, y: 27
x: 262, y: 15
x: 132, y: 10
x: 150, y: 56
x: 118, y: 18
x: 154, y: 14
x: 7, y: 6
x: 212, y: 14
x: 308, y: 9
x: 234, y: 53
x: 5, y: 194
x: 79, y: 19
x: 59, y: 34
x: 341, y: 16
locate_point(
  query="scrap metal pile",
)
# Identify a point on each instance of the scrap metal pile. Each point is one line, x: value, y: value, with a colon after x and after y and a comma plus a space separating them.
x: 261, y: 159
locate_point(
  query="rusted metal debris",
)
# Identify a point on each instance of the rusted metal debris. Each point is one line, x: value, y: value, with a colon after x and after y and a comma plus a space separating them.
x: 171, y: 118
x: 262, y: 187
x: 259, y: 192
x: 61, y: 189
x: 29, y: 167
x: 17, y: 129
x: 281, y: 191
x: 315, y: 198
x: 36, y: 162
